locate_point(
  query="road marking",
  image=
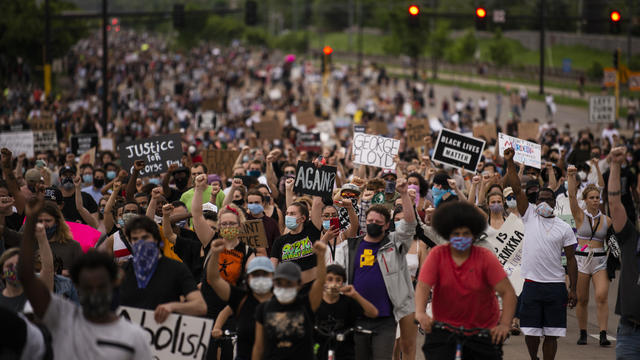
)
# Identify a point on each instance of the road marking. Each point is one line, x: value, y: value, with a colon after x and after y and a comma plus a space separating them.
x: 597, y: 336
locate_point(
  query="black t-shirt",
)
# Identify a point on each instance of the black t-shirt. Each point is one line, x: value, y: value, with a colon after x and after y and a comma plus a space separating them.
x: 15, y: 303
x: 70, y: 212
x: 170, y: 280
x: 9, y: 238
x: 245, y: 319
x: 628, y: 302
x: 232, y: 266
x: 337, y: 317
x: 188, y: 248
x: 14, y: 221
x: 287, y: 329
x: 297, y: 247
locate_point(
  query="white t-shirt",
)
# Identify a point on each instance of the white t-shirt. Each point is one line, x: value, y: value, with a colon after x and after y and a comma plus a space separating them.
x: 544, y: 240
x: 73, y: 337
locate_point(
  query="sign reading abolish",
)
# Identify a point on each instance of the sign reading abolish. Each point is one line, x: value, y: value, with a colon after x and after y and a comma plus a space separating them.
x: 80, y: 144
x: 602, y: 109
x: 178, y: 337
x: 458, y: 150
x: 157, y: 152
x: 375, y: 150
x: 507, y: 244
x: 527, y: 153
x: 253, y: 234
x: 314, y: 180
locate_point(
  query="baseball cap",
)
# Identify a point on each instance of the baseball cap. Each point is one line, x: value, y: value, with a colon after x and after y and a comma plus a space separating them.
x: 260, y: 263
x: 213, y: 177
x: 507, y: 191
x: 54, y: 194
x: 65, y: 169
x: 350, y: 187
x: 288, y: 271
x: 386, y: 172
x: 33, y: 175
x: 209, y: 207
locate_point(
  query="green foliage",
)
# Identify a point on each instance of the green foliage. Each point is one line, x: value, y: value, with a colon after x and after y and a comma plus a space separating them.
x: 596, y: 71
x: 297, y: 41
x: 256, y: 36
x: 500, y: 51
x: 405, y: 38
x: 439, y: 41
x: 222, y: 30
x: 634, y: 64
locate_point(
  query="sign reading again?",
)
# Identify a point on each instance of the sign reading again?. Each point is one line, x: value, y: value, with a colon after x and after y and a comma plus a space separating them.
x: 157, y: 153
x: 375, y: 150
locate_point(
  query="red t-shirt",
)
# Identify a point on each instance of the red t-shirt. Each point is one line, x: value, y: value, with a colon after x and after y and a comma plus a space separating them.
x: 463, y: 295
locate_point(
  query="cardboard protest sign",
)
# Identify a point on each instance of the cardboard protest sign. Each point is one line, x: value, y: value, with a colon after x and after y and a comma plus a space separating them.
x: 44, y: 140
x: 107, y: 144
x: 19, y: 142
x: 458, y: 150
x: 602, y: 109
x: 528, y: 130
x: 88, y: 157
x: 416, y: 130
x: 375, y: 150
x: 308, y: 142
x: 313, y: 180
x: 268, y: 130
x: 216, y: 104
x: 220, y: 161
x: 527, y: 153
x: 81, y: 143
x: 42, y: 122
x: 306, y: 117
x: 507, y: 244
x: 378, y: 127
x: 178, y: 337
x: 252, y: 233
x: 157, y: 152
x: 207, y: 120
x: 487, y: 131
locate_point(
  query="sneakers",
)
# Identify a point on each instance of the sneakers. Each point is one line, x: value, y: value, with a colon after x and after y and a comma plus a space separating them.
x: 583, y: 337
x: 515, y: 327
x: 603, y: 339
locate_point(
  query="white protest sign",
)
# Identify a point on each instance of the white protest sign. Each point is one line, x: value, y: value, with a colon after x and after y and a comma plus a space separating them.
x: 602, y: 109
x: 527, y: 153
x: 507, y: 244
x: 375, y: 150
x: 178, y: 337
x: 44, y: 140
x: 19, y: 142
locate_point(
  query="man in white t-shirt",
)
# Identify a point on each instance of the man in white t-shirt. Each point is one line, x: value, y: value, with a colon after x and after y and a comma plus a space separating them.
x: 544, y: 296
x: 92, y: 331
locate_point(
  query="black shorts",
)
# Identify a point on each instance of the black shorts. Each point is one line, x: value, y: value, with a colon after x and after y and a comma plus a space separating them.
x: 441, y: 344
x: 543, y: 309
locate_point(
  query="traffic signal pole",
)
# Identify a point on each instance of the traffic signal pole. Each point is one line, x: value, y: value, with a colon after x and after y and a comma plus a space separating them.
x: 105, y: 62
x: 47, y: 48
x: 542, y: 47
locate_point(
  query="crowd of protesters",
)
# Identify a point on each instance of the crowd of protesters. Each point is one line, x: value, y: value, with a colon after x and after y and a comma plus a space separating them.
x: 394, y: 254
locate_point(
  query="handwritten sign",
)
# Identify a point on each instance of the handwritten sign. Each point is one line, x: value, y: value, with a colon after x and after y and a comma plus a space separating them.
x: 216, y: 104
x: 306, y: 118
x: 602, y: 109
x: 308, y: 142
x: 207, y: 120
x: 487, y: 131
x: 374, y: 150
x: 507, y: 244
x: 80, y: 144
x: 252, y: 233
x: 528, y: 130
x: 313, y: 180
x: 527, y: 153
x: 42, y: 122
x: 45, y: 140
x: 458, y: 150
x: 417, y: 129
x: 157, y: 152
x: 220, y: 161
x: 179, y: 337
x: 19, y: 142
x: 107, y: 144
x: 269, y: 130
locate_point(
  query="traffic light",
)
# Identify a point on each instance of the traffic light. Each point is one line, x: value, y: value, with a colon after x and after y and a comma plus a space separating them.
x: 326, y: 59
x: 616, y: 58
x: 251, y: 13
x: 614, y: 22
x: 481, y: 18
x: 414, y: 18
x: 178, y: 16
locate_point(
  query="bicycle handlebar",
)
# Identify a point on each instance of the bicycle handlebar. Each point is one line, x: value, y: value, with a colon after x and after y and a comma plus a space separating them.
x: 459, y: 330
x: 340, y: 336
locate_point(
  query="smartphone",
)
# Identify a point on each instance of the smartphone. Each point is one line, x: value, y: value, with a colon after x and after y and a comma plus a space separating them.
x: 335, y: 223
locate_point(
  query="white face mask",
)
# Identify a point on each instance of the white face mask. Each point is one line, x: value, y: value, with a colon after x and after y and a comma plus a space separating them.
x: 512, y: 203
x: 285, y: 295
x: 261, y: 285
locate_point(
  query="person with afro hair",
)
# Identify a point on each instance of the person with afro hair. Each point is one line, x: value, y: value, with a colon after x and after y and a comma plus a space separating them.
x: 464, y: 278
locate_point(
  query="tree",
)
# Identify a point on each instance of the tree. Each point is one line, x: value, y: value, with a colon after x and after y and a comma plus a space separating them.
x: 405, y: 38
x: 438, y: 45
x: 500, y: 52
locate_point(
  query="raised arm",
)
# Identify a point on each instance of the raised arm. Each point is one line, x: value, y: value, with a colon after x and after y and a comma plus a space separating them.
x: 512, y: 179
x: 315, y: 294
x: 153, y: 202
x: 618, y: 213
x: 219, y: 285
x: 407, y: 204
x: 200, y: 225
x: 473, y: 188
x: 576, y: 211
x: 84, y: 213
x: 130, y: 190
x: 235, y: 184
x: 167, y: 229
x: 245, y: 151
x: 594, y: 163
x: 352, y: 230
x: 553, y: 181
x: 109, y: 221
x: 272, y: 179
x: 36, y: 290
x: 288, y: 185
x: 316, y: 212
x: 166, y: 189
x: 10, y: 179
x: 46, y: 257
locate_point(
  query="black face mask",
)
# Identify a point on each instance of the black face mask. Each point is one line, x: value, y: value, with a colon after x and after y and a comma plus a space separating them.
x: 374, y: 230
x: 267, y: 199
x: 98, y: 183
x: 532, y: 197
x: 238, y: 203
x: 96, y: 305
x: 181, y: 183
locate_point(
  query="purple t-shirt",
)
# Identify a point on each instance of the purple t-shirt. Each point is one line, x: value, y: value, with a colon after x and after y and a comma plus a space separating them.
x: 367, y: 278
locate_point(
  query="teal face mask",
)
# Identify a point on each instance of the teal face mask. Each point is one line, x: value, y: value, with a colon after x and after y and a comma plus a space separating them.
x: 326, y: 224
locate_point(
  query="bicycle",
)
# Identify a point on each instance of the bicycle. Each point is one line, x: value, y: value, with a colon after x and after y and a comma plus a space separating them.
x: 335, y: 337
x: 461, y: 335
x: 228, y: 337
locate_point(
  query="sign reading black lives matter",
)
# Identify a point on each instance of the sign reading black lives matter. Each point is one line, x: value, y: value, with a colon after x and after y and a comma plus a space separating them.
x: 458, y: 150
x: 81, y: 143
x: 157, y: 153
x: 314, y: 180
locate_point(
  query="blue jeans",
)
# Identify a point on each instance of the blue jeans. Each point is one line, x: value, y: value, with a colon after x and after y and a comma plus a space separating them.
x: 628, y: 341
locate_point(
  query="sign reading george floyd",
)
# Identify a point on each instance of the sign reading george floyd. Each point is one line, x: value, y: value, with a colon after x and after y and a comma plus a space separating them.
x: 375, y: 150
x: 253, y: 234
x: 178, y: 337
x: 314, y: 180
x: 157, y: 153
x: 458, y: 150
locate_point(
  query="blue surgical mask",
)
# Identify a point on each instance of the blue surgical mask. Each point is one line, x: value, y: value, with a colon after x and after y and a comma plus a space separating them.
x: 87, y: 178
x: 396, y: 224
x: 245, y: 158
x: 291, y: 222
x: 255, y: 209
x: 111, y: 174
x: 461, y: 243
x: 326, y: 224
x: 438, y: 194
x: 154, y: 181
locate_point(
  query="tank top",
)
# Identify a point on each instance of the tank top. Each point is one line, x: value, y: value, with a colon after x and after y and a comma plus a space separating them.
x: 274, y: 215
x: 590, y: 228
x: 412, y: 264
